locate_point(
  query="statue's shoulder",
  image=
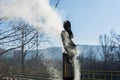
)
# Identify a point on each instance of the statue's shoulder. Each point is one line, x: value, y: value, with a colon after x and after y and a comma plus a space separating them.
x: 63, y: 32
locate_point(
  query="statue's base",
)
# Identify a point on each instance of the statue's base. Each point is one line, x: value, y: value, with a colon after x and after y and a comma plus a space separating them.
x: 68, y: 70
x: 67, y: 78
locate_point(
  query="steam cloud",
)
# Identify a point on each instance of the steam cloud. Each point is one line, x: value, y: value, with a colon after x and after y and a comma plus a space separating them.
x: 38, y: 13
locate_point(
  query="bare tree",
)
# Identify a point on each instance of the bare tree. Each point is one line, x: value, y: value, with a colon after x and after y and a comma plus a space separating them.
x: 107, y: 45
x: 23, y: 37
x: 107, y: 48
x: 116, y: 37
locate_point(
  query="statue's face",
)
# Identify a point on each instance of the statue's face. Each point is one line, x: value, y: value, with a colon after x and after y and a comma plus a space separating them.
x: 67, y: 27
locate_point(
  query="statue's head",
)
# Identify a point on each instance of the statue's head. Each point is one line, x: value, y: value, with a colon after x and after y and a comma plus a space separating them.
x: 67, y: 27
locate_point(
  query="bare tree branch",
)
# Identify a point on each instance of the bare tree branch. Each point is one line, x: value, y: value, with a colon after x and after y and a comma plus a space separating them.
x: 17, y: 38
x: 57, y: 3
x: 7, y: 36
x: 18, y: 46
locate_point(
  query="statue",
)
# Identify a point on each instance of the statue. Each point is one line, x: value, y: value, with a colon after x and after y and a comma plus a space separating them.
x: 69, y: 53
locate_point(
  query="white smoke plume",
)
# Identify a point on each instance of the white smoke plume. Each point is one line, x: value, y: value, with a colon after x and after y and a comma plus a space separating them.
x: 77, y: 74
x: 38, y: 13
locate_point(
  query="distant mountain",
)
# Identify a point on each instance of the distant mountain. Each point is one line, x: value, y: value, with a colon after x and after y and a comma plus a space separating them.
x: 85, y: 50
x: 56, y: 52
x: 52, y: 52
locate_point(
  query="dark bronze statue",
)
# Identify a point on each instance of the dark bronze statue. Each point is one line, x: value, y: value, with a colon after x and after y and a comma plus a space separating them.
x: 69, y: 53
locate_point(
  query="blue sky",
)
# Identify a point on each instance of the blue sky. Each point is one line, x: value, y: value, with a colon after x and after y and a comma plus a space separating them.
x: 90, y: 18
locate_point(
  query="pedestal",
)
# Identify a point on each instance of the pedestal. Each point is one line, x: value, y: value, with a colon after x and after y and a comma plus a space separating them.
x: 68, y: 70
